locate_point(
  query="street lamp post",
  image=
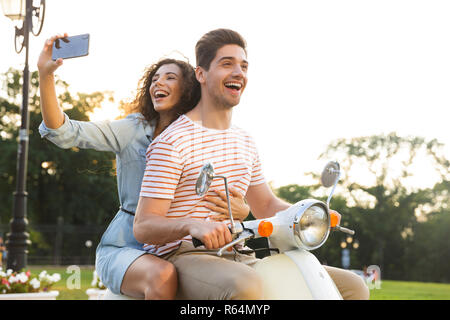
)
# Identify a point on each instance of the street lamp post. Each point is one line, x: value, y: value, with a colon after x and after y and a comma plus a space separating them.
x: 32, y: 18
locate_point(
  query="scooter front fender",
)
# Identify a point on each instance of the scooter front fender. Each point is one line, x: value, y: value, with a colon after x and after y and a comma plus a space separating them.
x: 295, y: 275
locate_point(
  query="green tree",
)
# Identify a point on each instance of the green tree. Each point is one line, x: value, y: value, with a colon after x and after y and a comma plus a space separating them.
x: 78, y: 185
x: 399, y: 226
x: 377, y: 175
x: 428, y: 254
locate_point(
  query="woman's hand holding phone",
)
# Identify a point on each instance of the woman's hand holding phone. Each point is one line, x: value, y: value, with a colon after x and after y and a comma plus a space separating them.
x: 46, y: 65
x: 51, y: 112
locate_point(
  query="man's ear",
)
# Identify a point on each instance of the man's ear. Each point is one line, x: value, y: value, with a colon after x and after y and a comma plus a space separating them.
x: 200, y: 74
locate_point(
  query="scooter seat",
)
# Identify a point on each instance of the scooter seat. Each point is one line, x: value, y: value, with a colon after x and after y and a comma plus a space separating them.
x: 109, y: 295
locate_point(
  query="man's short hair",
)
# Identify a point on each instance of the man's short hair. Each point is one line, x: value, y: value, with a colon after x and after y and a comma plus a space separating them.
x: 206, y: 48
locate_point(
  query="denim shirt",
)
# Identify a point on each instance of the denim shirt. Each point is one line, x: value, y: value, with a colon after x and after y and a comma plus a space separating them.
x: 128, y: 138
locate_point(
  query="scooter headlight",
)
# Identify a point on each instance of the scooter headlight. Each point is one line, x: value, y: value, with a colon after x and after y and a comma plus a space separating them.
x: 313, y: 226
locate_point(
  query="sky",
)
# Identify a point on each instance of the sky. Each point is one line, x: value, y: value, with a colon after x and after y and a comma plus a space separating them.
x: 318, y: 70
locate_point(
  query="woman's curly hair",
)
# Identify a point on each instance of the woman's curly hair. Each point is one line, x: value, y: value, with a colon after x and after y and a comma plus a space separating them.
x: 189, y: 98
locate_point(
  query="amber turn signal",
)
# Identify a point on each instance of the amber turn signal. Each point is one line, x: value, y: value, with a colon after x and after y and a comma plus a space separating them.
x: 334, y: 218
x: 265, y: 228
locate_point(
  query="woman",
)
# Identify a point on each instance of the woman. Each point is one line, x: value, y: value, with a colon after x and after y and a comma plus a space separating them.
x: 167, y: 89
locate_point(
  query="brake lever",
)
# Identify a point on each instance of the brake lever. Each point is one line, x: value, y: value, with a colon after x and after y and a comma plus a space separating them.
x: 246, y: 234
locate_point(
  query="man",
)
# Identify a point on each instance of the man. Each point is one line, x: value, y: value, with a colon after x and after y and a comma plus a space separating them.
x: 169, y: 213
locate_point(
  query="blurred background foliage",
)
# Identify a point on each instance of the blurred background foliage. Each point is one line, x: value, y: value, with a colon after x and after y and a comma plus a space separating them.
x: 76, y: 185
x: 400, y: 227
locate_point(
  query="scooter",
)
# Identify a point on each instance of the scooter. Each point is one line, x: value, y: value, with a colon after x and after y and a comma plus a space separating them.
x: 292, y: 273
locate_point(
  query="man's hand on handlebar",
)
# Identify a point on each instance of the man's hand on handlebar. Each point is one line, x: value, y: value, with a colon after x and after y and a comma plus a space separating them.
x: 213, y: 235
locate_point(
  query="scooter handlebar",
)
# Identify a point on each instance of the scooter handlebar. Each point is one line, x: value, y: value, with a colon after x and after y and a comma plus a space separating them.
x: 244, y: 235
x: 345, y: 230
x: 197, y: 243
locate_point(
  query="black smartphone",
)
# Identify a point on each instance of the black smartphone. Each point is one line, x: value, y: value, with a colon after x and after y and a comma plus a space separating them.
x: 71, y: 47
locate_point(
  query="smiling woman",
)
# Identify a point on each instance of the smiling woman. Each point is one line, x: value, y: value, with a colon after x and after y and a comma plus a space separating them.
x: 121, y: 262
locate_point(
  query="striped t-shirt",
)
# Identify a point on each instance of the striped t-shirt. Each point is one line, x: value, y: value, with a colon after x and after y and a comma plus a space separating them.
x: 174, y: 161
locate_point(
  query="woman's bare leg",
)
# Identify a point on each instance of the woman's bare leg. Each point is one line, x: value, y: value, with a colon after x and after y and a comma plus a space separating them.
x: 151, y: 278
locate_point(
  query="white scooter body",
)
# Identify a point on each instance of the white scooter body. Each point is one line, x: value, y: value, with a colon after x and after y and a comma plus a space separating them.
x: 295, y: 275
x: 112, y: 296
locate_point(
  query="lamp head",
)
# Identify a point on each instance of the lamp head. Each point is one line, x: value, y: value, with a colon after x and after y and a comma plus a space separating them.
x: 14, y: 9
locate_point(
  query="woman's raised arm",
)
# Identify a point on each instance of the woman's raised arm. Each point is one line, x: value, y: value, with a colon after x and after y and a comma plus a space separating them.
x: 51, y: 112
x: 66, y: 133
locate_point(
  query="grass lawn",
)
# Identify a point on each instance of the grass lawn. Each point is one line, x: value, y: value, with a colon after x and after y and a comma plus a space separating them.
x: 408, y: 290
x: 389, y: 290
x: 63, y: 285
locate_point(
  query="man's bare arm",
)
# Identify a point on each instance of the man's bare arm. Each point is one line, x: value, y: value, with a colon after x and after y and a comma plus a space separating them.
x: 263, y: 203
x: 151, y: 226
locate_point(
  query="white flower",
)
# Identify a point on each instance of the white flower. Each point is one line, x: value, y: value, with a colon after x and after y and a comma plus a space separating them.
x: 2, y: 274
x: 42, y: 275
x: 56, y: 277
x: 53, y: 278
x: 22, y: 277
x: 12, y: 279
x: 35, y: 283
x: 9, y: 272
